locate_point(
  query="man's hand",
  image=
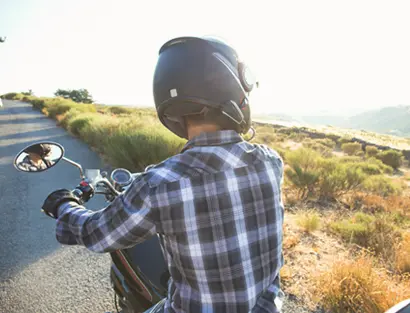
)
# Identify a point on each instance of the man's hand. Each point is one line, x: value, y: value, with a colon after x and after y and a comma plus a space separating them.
x: 57, y: 198
x: 84, y: 191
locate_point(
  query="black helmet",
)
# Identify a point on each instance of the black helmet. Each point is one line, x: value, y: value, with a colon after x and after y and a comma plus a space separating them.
x: 202, y: 76
x: 41, y: 149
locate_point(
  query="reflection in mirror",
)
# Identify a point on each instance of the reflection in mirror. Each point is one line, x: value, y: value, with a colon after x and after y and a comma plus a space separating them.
x: 39, y: 157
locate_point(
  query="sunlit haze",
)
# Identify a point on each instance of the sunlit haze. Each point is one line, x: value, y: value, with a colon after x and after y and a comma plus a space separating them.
x: 309, y: 56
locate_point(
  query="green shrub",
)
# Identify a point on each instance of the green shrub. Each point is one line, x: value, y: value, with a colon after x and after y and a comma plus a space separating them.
x: 137, y: 148
x: 327, y: 142
x: 19, y: 96
x: 358, y: 233
x: 119, y: 110
x: 391, y: 158
x: 9, y: 96
x: 38, y: 103
x: 368, y: 166
x: 338, y: 178
x: 303, y: 171
x: 381, y: 185
x: 317, y: 145
x: 343, y: 140
x: 297, y: 136
x: 375, y: 233
x: 384, y: 168
x: 351, y: 148
x: 266, y: 138
x: 325, y: 178
x: 80, y: 121
x: 371, y: 151
x: 59, y: 108
x: 350, y: 159
x: 371, y: 166
x: 28, y: 99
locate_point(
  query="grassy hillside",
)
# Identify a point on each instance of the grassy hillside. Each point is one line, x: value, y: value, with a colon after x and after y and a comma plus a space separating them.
x: 125, y: 137
x: 395, y: 119
x: 347, y: 221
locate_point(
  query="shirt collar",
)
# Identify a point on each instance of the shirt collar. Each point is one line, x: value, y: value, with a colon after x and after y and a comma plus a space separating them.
x: 217, y: 138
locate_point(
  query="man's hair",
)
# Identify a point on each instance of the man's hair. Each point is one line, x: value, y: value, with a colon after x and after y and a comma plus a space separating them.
x: 210, y: 118
x: 41, y: 149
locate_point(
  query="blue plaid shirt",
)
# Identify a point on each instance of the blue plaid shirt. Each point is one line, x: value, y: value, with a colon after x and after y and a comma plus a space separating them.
x: 218, y: 207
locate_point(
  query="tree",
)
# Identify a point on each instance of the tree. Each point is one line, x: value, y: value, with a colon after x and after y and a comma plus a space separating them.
x: 79, y: 95
x: 28, y: 93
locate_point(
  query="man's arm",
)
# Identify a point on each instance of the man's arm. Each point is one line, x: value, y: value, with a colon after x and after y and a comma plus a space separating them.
x: 127, y: 221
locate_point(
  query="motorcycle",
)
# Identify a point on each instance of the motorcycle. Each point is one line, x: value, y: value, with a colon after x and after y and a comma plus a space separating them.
x: 138, y: 285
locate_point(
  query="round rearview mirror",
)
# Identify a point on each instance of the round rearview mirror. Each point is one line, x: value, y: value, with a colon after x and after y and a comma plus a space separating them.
x: 39, y: 157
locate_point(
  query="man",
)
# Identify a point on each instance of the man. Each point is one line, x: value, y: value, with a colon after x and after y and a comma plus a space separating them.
x: 217, y: 204
x: 35, y: 160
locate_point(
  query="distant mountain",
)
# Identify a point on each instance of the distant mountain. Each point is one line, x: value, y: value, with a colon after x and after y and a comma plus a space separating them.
x: 394, y: 120
x: 390, y: 120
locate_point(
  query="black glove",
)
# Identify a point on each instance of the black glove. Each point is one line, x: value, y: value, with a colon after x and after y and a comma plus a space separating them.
x: 57, y: 198
x: 84, y: 191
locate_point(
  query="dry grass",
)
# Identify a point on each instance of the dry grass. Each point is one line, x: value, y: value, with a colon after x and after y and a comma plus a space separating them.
x: 398, y: 207
x: 403, y: 255
x: 356, y: 286
x: 308, y: 221
x: 127, y: 137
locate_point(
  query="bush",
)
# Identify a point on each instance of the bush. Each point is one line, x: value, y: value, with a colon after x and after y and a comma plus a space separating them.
x: 343, y: 140
x: 327, y: 142
x: 309, y: 221
x: 375, y: 233
x: 79, y: 122
x: 371, y: 151
x: 355, y: 286
x: 135, y: 149
x: 391, y: 158
x: 120, y: 110
x: 336, y: 179
x: 59, y: 108
x: 326, y: 178
x: 381, y: 185
x: 352, y: 148
x: 297, y: 136
x: 383, y: 167
x: 9, y: 96
x: 38, y: 103
x: 303, y: 171
x: 355, y: 232
x: 318, y: 146
x: 266, y: 138
x: 371, y: 166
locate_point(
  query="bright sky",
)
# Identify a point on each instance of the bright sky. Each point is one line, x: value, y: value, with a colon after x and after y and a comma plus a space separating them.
x: 309, y: 56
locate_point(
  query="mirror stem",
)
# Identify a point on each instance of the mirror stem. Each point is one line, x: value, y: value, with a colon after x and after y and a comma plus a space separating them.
x: 76, y: 165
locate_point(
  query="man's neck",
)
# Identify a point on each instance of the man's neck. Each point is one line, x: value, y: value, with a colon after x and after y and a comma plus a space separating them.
x: 194, y: 131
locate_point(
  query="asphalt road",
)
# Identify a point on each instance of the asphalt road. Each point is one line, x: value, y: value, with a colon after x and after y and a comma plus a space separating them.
x: 37, y: 274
